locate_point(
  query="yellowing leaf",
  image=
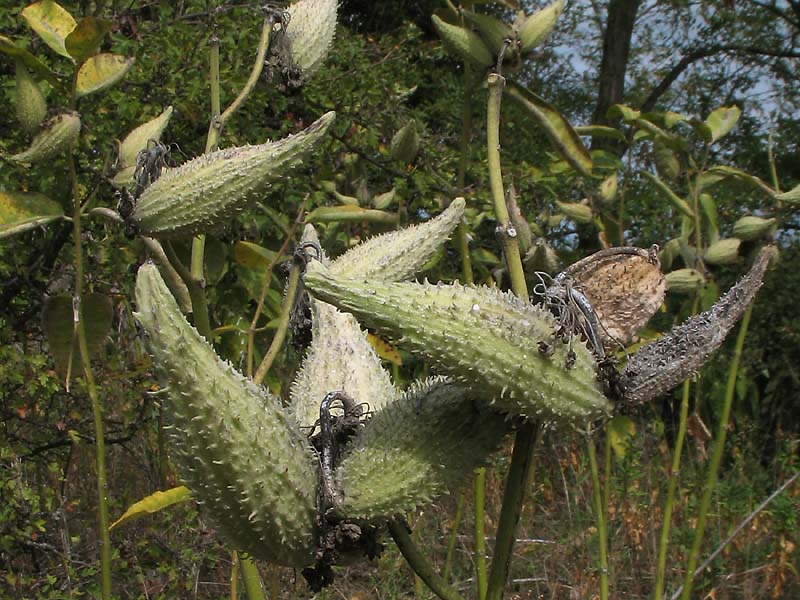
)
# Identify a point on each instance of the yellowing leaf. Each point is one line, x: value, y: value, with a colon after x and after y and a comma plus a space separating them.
x: 385, y: 350
x: 21, y: 211
x: 620, y: 430
x: 252, y: 255
x: 100, y: 72
x: 154, y: 503
x: 84, y: 41
x: 51, y: 22
x: 722, y: 120
x: 137, y: 140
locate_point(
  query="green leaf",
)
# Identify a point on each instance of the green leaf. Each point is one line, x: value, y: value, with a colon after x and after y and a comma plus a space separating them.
x: 627, y: 113
x: 52, y: 23
x: 253, y: 256
x: 85, y: 40
x: 722, y: 120
x: 58, y: 324
x: 676, y: 200
x: 21, y: 211
x: 620, y: 431
x: 709, y: 208
x: 600, y: 131
x: 792, y: 196
x: 100, y: 72
x: 9, y: 48
x: 154, y: 503
x: 332, y: 214
x: 716, y: 174
x: 557, y: 128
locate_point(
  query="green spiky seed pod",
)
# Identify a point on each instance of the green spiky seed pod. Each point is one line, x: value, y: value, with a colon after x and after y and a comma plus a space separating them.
x: 423, y: 445
x: 723, y: 252
x: 30, y: 103
x: 538, y: 25
x: 684, y: 281
x: 752, y: 228
x: 463, y: 43
x: 309, y: 35
x: 577, y: 211
x: 405, y: 143
x: 203, y: 194
x: 56, y: 136
x: 241, y: 454
x: 493, y: 31
x: 482, y: 337
x: 398, y: 255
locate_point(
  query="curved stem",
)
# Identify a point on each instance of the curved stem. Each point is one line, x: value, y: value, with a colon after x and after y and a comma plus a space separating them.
x: 283, y: 325
x: 716, y: 455
x: 600, y: 517
x: 419, y: 563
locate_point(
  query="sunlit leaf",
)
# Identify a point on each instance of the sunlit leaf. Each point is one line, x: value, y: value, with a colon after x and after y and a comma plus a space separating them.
x: 58, y: 325
x: 137, y: 140
x: 9, y: 48
x: 154, y: 503
x: 52, y: 22
x: 627, y: 113
x: 252, y: 255
x: 722, y: 120
x: 620, y: 431
x: 85, y: 40
x: 100, y: 72
x: 555, y: 126
x: 385, y: 350
x: 21, y: 211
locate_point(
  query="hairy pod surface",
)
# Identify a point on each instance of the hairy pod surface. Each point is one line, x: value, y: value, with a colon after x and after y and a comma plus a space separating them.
x: 242, y: 455
x: 482, y: 337
x: 30, y: 103
x: 203, y: 194
x: 537, y: 26
x: 398, y: 255
x: 463, y: 43
x: 418, y: 448
x: 56, y: 136
x: 309, y: 34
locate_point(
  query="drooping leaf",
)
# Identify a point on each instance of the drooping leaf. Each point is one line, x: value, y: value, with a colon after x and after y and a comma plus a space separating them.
x: 154, y: 503
x: 85, y: 40
x: 626, y: 113
x: 620, y: 431
x: 722, y: 120
x: 9, y: 48
x: 555, y: 126
x: 52, y: 22
x: 21, y: 211
x: 100, y: 72
x: 252, y: 255
x: 58, y: 325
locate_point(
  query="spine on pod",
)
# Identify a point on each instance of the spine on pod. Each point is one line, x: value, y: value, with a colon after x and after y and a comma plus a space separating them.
x: 57, y: 135
x: 420, y: 447
x: 205, y: 193
x: 504, y: 348
x: 241, y: 454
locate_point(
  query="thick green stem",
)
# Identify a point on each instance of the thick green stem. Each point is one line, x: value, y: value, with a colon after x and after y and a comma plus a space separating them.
x: 600, y: 517
x: 672, y: 486
x: 480, y: 539
x: 419, y: 563
x: 252, y: 580
x: 196, y: 293
x: 517, y: 483
x: 283, y: 324
x: 451, y: 543
x: 716, y: 455
x: 97, y: 409
x: 606, y: 471
x: 234, y: 595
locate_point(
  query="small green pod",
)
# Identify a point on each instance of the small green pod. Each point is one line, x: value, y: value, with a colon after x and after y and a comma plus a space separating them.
x: 30, y: 103
x: 56, y: 136
x: 501, y: 346
x: 204, y: 194
x: 239, y: 451
x: 537, y: 26
x: 418, y: 448
x: 752, y: 228
x: 578, y: 212
x: 723, y: 252
x: 463, y: 43
x: 405, y: 143
x: 684, y: 281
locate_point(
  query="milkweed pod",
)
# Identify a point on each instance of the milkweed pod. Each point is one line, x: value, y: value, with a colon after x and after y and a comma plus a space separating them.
x: 684, y: 281
x: 203, y: 194
x: 56, y: 136
x: 723, y: 252
x: 405, y: 143
x: 484, y: 338
x: 30, y: 103
x: 537, y: 26
x: 752, y: 228
x: 418, y: 448
x: 309, y: 34
x: 463, y: 43
x: 577, y: 211
x: 239, y: 451
x: 493, y: 31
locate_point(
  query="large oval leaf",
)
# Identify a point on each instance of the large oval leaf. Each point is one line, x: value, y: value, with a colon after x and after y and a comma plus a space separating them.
x: 21, y: 211
x: 100, y: 72
x: 722, y: 120
x: 154, y: 503
x: 52, y: 22
x: 557, y: 128
x: 58, y: 325
x: 84, y: 41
